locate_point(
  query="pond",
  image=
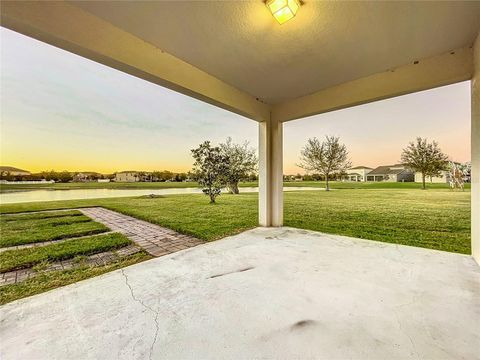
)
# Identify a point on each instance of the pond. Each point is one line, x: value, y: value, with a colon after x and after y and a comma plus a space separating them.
x: 77, y: 194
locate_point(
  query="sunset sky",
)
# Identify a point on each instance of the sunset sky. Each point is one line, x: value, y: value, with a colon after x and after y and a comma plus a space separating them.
x: 60, y: 111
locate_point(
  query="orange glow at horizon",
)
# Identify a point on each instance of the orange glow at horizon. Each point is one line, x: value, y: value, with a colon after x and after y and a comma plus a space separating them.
x: 63, y: 112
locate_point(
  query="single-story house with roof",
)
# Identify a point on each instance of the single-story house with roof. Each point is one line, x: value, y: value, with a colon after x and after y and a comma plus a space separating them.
x: 391, y: 173
x: 357, y: 173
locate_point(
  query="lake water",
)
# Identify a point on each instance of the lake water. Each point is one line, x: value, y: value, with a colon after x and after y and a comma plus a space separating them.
x: 77, y: 194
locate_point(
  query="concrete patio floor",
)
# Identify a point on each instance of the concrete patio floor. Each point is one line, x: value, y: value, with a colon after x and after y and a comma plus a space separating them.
x: 266, y: 293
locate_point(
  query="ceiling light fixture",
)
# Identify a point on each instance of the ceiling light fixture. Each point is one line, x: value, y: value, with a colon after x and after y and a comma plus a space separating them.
x: 283, y: 10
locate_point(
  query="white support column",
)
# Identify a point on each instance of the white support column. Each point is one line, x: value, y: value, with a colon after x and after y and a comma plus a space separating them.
x: 270, y: 195
x: 476, y: 153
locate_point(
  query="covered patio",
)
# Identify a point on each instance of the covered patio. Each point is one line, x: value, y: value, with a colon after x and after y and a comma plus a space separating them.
x: 272, y: 292
x: 269, y: 293
x: 331, y: 55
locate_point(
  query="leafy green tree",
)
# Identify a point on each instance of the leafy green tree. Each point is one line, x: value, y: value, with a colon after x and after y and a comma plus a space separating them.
x: 209, y: 169
x: 242, y: 163
x: 424, y: 157
x: 63, y: 176
x: 179, y: 177
x: 162, y: 176
x: 326, y: 158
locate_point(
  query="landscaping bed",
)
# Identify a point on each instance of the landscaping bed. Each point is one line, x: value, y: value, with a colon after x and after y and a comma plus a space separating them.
x: 26, y: 258
x: 47, y: 226
x: 44, y: 250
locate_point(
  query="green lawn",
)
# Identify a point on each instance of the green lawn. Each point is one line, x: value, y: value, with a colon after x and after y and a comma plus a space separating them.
x: 189, y: 213
x: 436, y: 218
x: 31, y: 228
x: 26, y: 258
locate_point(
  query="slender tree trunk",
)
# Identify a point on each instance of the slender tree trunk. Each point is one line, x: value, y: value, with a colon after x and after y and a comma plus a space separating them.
x: 423, y: 181
x: 211, y: 195
x: 327, y: 187
x: 234, y: 188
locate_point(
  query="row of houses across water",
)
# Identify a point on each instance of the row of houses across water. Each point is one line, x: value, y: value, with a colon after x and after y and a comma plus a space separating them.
x: 389, y: 173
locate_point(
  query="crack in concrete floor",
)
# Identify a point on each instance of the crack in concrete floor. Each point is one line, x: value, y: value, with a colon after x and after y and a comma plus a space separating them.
x: 140, y: 301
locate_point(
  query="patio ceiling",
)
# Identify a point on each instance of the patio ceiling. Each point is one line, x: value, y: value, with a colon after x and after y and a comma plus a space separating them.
x: 234, y: 54
x: 328, y: 42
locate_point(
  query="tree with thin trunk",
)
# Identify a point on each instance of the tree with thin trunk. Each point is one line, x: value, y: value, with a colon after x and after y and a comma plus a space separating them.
x: 209, y: 169
x: 457, y: 174
x: 242, y: 162
x: 326, y: 158
x: 424, y: 157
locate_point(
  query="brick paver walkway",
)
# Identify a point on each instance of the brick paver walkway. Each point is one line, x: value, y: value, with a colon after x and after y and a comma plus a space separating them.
x: 154, y: 239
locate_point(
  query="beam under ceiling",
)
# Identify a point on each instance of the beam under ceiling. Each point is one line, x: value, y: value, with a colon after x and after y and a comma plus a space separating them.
x: 424, y: 74
x: 68, y: 27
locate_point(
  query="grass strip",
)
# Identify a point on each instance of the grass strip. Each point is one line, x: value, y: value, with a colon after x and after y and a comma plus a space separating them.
x: 27, y: 230
x: 41, y: 215
x: 25, y: 258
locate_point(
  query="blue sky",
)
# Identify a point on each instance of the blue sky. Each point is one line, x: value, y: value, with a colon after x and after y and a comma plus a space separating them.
x: 60, y: 111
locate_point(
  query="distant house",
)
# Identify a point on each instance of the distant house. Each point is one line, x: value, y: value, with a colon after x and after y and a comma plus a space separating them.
x: 297, y: 177
x: 357, y: 173
x: 86, y: 176
x: 391, y: 173
x: 130, y: 176
x: 443, y: 178
x: 13, y: 171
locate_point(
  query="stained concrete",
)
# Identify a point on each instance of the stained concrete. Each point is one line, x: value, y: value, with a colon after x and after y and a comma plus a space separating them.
x: 266, y: 293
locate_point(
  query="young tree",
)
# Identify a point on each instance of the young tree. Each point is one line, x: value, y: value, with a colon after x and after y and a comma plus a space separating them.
x: 209, y: 169
x: 458, y: 173
x: 424, y: 157
x: 326, y: 158
x: 242, y: 163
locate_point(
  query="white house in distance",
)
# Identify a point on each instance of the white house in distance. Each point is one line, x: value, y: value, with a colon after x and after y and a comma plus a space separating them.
x: 128, y: 176
x: 444, y: 178
x: 358, y: 173
x: 391, y: 173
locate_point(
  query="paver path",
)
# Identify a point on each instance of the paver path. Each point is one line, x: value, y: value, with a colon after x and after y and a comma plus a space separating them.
x: 154, y: 239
